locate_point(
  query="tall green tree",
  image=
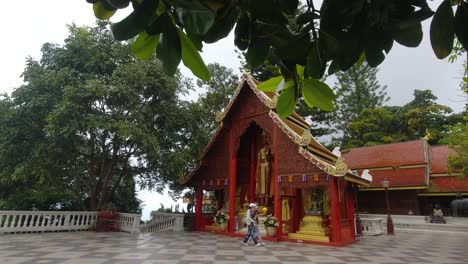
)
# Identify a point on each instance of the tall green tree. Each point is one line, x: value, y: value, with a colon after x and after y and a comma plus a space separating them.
x: 457, y: 135
x: 457, y: 139
x: 28, y: 178
x: 356, y: 90
x: 376, y: 126
x: 89, y: 124
x: 219, y: 90
x: 422, y: 117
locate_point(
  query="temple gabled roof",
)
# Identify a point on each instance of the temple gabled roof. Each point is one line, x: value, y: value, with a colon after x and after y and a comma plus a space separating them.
x: 405, y: 164
x: 439, y: 159
x: 295, y: 127
x: 442, y: 181
x: 388, y: 155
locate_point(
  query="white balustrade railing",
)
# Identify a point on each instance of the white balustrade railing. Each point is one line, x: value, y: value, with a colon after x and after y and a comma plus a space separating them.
x: 41, y: 221
x: 129, y: 222
x: 44, y: 221
x: 163, y: 222
x: 372, y: 226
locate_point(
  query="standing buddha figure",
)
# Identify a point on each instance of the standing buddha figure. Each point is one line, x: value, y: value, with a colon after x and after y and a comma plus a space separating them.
x: 263, y: 171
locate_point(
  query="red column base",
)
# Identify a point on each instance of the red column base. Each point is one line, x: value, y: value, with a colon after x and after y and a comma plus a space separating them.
x: 358, y: 226
x: 390, y: 229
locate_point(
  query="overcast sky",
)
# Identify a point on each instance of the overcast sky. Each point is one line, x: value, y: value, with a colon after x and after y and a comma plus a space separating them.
x: 26, y: 25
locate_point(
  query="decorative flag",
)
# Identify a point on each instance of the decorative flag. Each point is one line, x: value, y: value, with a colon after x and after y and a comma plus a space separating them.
x: 316, y: 177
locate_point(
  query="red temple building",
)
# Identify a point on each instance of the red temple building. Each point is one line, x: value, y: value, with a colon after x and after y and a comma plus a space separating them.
x: 418, y: 176
x: 256, y: 156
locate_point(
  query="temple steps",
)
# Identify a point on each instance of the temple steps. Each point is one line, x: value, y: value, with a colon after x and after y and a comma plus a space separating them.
x: 311, y: 229
x: 312, y: 233
x: 308, y: 237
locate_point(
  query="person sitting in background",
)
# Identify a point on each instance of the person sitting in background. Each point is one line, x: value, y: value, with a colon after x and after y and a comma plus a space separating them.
x: 437, y: 212
x: 437, y: 215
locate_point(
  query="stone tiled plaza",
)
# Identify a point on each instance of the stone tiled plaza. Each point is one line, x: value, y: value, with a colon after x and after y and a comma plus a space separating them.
x: 413, y: 246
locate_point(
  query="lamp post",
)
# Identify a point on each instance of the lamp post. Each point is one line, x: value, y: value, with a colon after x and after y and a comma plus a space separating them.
x: 386, y: 184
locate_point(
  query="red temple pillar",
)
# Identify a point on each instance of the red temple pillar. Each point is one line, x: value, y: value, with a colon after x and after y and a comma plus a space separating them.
x: 335, y: 210
x: 276, y: 189
x: 350, y: 206
x: 198, y: 208
x: 295, y: 210
x: 232, y: 182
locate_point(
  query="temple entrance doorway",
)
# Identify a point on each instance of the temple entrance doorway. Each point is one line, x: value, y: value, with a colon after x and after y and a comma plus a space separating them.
x: 315, y: 211
x: 254, y: 171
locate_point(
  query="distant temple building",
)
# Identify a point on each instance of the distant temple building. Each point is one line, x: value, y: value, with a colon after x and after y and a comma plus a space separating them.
x: 257, y: 157
x: 418, y: 176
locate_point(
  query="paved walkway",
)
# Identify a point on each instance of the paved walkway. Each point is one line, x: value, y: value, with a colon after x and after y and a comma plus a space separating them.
x: 411, y: 246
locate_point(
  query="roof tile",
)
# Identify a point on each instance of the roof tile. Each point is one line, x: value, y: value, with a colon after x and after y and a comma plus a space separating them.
x: 389, y: 155
x: 439, y: 159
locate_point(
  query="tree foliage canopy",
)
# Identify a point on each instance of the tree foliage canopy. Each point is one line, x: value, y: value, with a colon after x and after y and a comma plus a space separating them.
x: 89, y: 124
x: 390, y: 124
x: 332, y: 37
x: 357, y: 89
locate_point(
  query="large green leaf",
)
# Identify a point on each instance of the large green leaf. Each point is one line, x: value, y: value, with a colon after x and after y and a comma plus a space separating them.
x: 242, y: 32
x: 136, y: 22
x: 296, y: 50
x: 287, y: 100
x: 191, y: 58
x: 196, y: 17
x: 267, y: 11
x: 103, y: 10
x: 119, y: 4
x: 350, y: 50
x: 288, y: 6
x: 376, y: 42
x: 278, y: 35
x: 374, y: 57
x: 461, y: 24
x: 410, y: 35
x: 225, y: 20
x: 317, y: 93
x: 144, y: 45
x: 169, y: 48
x: 329, y: 45
x: 300, y: 71
x: 270, y: 85
x: 442, y: 30
x: 156, y: 27
x: 315, y: 63
x: 196, y: 41
x: 257, y: 52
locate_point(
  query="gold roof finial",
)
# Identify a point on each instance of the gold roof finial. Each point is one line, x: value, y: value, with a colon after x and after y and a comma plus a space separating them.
x: 304, y: 139
x: 219, y: 116
x: 428, y: 135
x: 272, y: 102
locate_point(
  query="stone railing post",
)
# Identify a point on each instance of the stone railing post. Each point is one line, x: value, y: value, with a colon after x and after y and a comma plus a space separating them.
x: 179, y: 223
x: 66, y: 223
x: 136, y: 224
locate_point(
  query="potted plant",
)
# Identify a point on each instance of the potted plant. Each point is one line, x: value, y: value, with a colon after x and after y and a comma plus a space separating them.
x: 221, y: 219
x: 271, y: 225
